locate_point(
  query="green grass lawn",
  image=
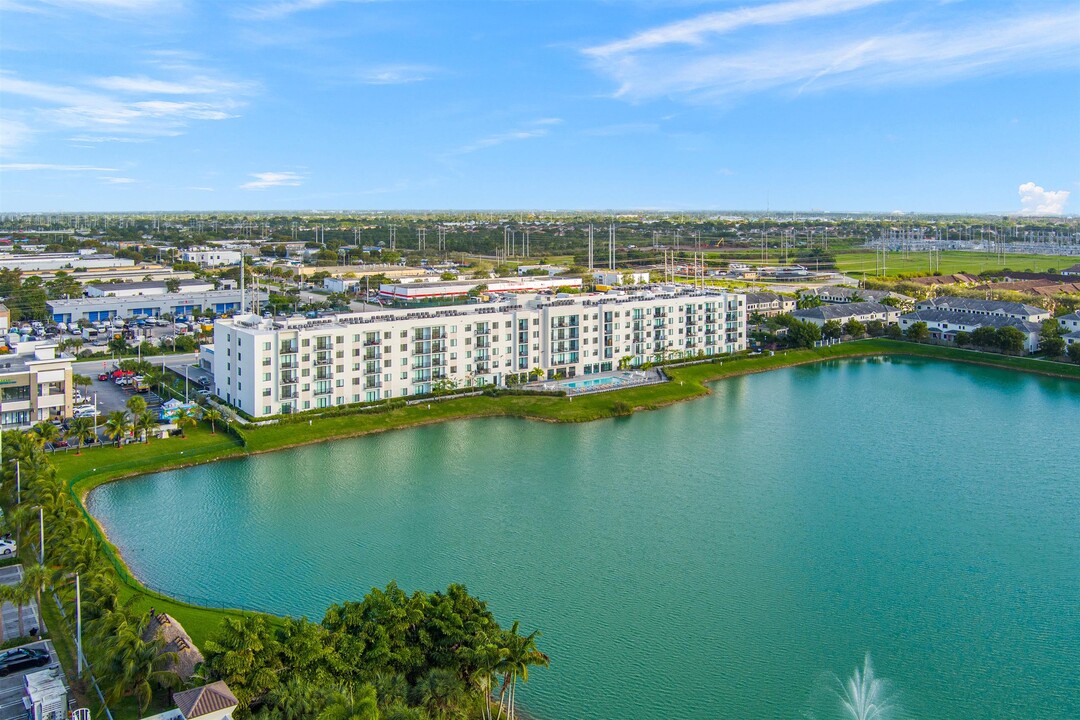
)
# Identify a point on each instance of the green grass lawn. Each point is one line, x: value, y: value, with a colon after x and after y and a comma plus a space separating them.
x: 952, y: 261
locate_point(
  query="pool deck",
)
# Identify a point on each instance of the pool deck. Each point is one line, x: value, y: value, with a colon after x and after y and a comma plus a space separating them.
x: 622, y: 379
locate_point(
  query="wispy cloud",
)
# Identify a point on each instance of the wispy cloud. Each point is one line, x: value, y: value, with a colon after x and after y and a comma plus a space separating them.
x: 265, y: 180
x: 394, y: 74
x: 1034, y: 200
x: 620, y: 129
x: 14, y: 135
x: 107, y: 8
x: 11, y: 167
x: 534, y: 129
x: 113, y: 180
x: 202, y: 189
x: 119, y: 108
x: 717, y: 56
x: 284, y: 8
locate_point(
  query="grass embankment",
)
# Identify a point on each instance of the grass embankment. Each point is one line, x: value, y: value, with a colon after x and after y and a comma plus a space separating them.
x: 950, y: 261
x: 99, y: 465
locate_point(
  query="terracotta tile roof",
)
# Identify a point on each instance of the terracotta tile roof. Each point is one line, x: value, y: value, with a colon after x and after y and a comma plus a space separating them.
x: 204, y: 700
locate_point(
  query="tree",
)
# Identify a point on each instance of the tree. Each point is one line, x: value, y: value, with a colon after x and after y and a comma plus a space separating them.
x: 962, y: 338
x: 118, y: 346
x: 1051, y: 343
x: 117, y: 426
x: 875, y: 328
x: 136, y: 404
x: 212, y: 415
x: 348, y: 703
x: 82, y: 430
x: 246, y: 655
x: 440, y: 692
x: 984, y: 337
x: 81, y: 381
x: 33, y: 580
x: 808, y: 301
x: 521, y: 654
x: 1074, y: 352
x: 47, y: 432
x: 894, y: 332
x: 832, y: 329
x: 854, y: 328
x: 185, y: 418
x: 133, y: 667
x: 1010, y: 339
x: 172, y: 285
x: 918, y: 332
x: 803, y: 334
x: 144, y: 423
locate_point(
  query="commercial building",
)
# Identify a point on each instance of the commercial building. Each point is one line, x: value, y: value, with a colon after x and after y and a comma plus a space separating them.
x: 419, y: 292
x: 143, y: 289
x: 61, y: 261
x: 35, y: 385
x: 97, y: 309
x: 270, y: 366
x: 211, y: 257
x: 615, y: 278
x: 768, y: 304
x: 863, y: 312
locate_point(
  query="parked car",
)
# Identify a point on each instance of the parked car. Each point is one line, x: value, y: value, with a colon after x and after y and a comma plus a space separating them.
x: 7, y: 548
x: 86, y: 412
x: 22, y: 658
x: 103, y: 377
x: 61, y: 443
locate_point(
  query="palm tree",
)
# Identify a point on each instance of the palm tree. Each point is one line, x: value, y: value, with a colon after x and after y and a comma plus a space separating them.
x: 133, y: 667
x: 144, y: 423
x: 136, y: 404
x: 5, y: 597
x: 353, y: 704
x: 184, y: 418
x: 486, y: 658
x: 440, y: 692
x: 82, y: 430
x: 212, y: 415
x: 117, y: 425
x: 47, y: 432
x: 521, y: 654
x: 33, y: 579
x: 18, y: 596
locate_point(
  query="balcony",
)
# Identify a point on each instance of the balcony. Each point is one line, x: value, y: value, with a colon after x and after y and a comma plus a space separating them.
x: 372, y: 354
x: 483, y: 367
x: 323, y: 358
x: 373, y: 342
x: 323, y: 374
x: 289, y: 393
x: 287, y: 348
x: 483, y: 330
x: 483, y: 342
x: 290, y: 363
x: 371, y: 368
x: 323, y: 390
x: 290, y: 378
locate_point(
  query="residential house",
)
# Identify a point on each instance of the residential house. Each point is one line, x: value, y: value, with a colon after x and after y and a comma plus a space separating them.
x: 1074, y: 270
x: 768, y: 304
x: 944, y: 324
x: 844, y: 294
x: 863, y: 312
x: 1069, y: 323
x: 1014, y: 310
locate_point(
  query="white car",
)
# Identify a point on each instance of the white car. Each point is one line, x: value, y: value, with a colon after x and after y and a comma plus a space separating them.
x: 7, y: 548
x: 85, y: 412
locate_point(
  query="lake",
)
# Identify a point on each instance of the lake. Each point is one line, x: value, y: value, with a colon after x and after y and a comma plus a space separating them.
x: 729, y: 557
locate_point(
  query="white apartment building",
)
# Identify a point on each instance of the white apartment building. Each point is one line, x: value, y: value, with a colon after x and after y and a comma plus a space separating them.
x: 268, y: 366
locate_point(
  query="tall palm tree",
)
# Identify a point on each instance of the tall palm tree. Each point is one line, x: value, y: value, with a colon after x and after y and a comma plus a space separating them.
x: 487, y: 659
x: 47, y: 432
x: 144, y: 423
x: 440, y: 692
x: 117, y: 425
x: 34, y: 577
x: 212, y: 415
x: 19, y: 596
x: 521, y: 654
x: 82, y: 430
x: 5, y: 597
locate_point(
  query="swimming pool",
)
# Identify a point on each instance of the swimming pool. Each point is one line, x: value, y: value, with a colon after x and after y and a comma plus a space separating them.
x: 591, y: 382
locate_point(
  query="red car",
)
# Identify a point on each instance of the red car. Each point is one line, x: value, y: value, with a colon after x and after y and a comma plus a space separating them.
x: 103, y: 376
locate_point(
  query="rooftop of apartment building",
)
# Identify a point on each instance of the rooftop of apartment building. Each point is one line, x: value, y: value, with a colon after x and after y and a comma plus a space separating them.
x: 519, y: 302
x: 981, y: 306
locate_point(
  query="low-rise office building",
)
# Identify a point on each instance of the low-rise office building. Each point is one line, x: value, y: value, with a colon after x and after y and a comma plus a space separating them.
x: 863, y: 312
x: 211, y: 257
x: 35, y: 385
x: 144, y: 289
x: 420, y: 292
x: 61, y: 261
x: 269, y: 366
x: 768, y: 304
x: 97, y: 309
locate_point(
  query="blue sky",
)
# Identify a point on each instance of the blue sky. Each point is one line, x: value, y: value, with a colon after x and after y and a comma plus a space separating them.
x: 871, y: 105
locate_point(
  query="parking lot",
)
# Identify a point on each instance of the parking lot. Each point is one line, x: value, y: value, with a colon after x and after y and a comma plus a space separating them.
x: 9, y: 614
x: 11, y: 686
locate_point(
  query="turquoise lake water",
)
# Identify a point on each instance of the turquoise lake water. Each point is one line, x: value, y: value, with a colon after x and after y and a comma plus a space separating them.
x: 722, y: 558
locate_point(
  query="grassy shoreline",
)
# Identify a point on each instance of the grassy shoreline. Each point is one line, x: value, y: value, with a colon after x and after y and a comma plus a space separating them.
x: 97, y: 466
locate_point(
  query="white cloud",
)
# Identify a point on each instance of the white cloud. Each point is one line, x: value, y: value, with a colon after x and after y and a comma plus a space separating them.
x: 394, y: 74
x: 810, y: 57
x: 198, y: 85
x: 534, y: 129
x: 1035, y: 200
x: 265, y: 180
x: 202, y: 189
x: 50, y: 166
x: 695, y: 30
x: 284, y: 8
x: 112, y: 180
x: 14, y: 134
